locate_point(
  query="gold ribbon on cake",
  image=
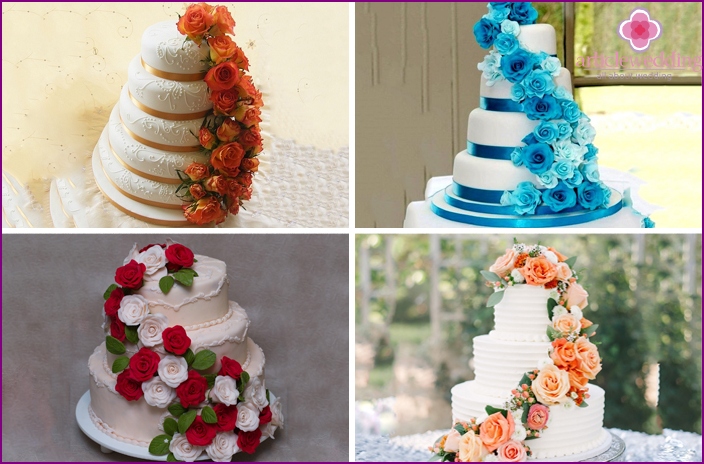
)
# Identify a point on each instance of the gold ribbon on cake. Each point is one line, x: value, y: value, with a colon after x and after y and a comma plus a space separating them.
x: 164, y: 180
x: 158, y: 146
x: 172, y: 76
x: 157, y: 222
x: 163, y: 115
x: 138, y: 199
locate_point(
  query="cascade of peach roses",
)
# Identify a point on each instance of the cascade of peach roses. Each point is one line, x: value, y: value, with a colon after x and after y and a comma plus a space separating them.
x: 230, y: 135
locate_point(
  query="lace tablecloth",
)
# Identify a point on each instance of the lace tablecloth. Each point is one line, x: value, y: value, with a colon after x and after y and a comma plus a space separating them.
x: 671, y: 446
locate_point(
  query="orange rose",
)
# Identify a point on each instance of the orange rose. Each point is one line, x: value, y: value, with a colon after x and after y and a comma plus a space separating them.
x: 251, y: 138
x: 495, y: 431
x: 560, y: 256
x: 538, y: 271
x: 206, y: 139
x: 223, y: 21
x: 196, y: 21
x: 227, y: 158
x: 224, y: 102
x: 247, y: 195
x: 204, y: 211
x: 248, y: 115
x: 576, y: 296
x: 223, y: 76
x: 589, y: 356
x: 564, y: 354
x: 234, y: 189
x: 577, y: 378
x: 197, y: 191
x: 229, y: 130
x: 250, y: 164
x: 551, y: 385
x: 240, y: 59
x: 197, y: 171
x: 222, y: 48
x: 234, y: 208
x: 217, y: 184
x: 566, y: 324
x: 521, y: 260
x: 245, y: 178
x: 504, y: 264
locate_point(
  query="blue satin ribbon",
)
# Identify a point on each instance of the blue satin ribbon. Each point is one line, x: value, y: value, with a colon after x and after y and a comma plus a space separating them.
x: 489, y: 151
x: 478, y: 195
x: 500, y: 104
x: 503, y: 210
x: 528, y: 222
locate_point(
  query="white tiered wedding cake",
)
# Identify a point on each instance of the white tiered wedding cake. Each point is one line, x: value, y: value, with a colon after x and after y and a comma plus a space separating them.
x: 530, y: 398
x: 177, y: 373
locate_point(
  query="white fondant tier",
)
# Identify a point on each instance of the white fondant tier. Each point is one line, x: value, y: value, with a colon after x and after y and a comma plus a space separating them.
x: 538, y: 38
x: 522, y: 314
x: 502, y: 88
x: 158, y: 132
x: 489, y: 174
x: 165, y: 95
x: 164, y: 48
x: 499, y: 128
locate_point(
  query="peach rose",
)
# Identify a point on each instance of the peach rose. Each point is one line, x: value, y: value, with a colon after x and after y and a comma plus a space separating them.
x: 197, y: 171
x: 224, y: 102
x: 496, y: 430
x: 223, y: 76
x: 217, y: 184
x: 551, y: 385
x: 222, y: 48
x: 504, y: 264
x: 197, y: 191
x: 538, y: 271
x: 576, y: 296
x: 471, y: 448
x: 577, y: 378
x: 589, y: 356
x: 538, y: 416
x: 204, y: 211
x: 251, y: 138
x: 452, y: 441
x: 250, y: 164
x: 223, y: 21
x: 560, y: 256
x: 563, y: 353
x: 566, y: 324
x: 196, y: 21
x: 585, y: 323
x: 248, y: 115
x: 227, y: 158
x: 229, y: 130
x: 563, y: 272
x: 512, y: 451
x: 206, y: 139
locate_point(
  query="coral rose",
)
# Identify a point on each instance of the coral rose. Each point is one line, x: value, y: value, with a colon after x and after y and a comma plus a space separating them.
x: 566, y: 324
x: 204, y: 211
x: 217, y: 184
x: 196, y: 171
x: 223, y: 76
x: 223, y: 21
x: 229, y: 130
x: 196, y: 22
x: 563, y: 271
x: 496, y: 430
x: 576, y: 296
x: 538, y: 416
x: 589, y: 356
x: 551, y: 385
x: 224, y: 102
x: 512, y: 451
x: 471, y: 448
x: 250, y: 164
x: 206, y: 139
x: 538, y: 271
x: 222, y: 48
x: 196, y: 191
x: 563, y: 353
x: 504, y: 264
x: 227, y: 158
x: 248, y: 115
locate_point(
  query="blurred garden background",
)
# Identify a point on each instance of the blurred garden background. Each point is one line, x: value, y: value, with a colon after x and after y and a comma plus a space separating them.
x: 420, y: 300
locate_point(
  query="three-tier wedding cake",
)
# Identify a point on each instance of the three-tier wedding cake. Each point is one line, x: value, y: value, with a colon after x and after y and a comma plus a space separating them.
x: 531, y: 397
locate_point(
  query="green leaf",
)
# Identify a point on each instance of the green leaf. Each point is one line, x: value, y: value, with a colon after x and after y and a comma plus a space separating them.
x: 589, y: 331
x: 189, y: 357
x: 526, y: 409
x: 114, y: 345
x: 583, y: 405
x: 553, y: 334
x: 107, y: 293
x: 120, y: 364
x: 170, y: 426
x: 525, y: 379
x: 570, y: 261
x: 176, y: 409
x: 185, y: 276
x: 186, y: 420
x: 203, y: 360
x: 530, y: 438
x: 165, y: 284
x: 551, y: 306
x: 160, y: 445
x: 492, y: 410
x: 495, y: 299
x: 490, y: 276
x: 211, y: 380
x: 267, y: 395
x: 244, y: 378
x: 131, y: 333
x: 460, y: 428
x: 208, y: 415
x: 240, y: 398
x: 171, y: 458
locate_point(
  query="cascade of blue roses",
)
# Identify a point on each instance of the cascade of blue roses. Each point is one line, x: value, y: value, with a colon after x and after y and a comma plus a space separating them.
x: 559, y: 151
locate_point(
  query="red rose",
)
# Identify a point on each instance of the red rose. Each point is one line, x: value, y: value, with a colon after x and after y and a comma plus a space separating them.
x: 113, y: 302
x: 129, y: 388
x: 230, y: 367
x: 143, y: 364
x: 223, y: 76
x: 117, y: 328
x: 224, y: 102
x: 227, y: 417
x: 200, y: 433
x: 265, y: 416
x: 249, y: 441
x: 192, y: 391
x: 176, y: 340
x: 179, y: 255
x: 130, y: 275
x: 162, y: 245
x: 227, y: 158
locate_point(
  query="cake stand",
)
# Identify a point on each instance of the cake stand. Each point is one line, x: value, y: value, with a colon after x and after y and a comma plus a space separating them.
x: 613, y: 454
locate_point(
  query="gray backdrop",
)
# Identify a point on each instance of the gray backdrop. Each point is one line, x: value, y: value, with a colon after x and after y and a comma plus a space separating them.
x: 294, y: 287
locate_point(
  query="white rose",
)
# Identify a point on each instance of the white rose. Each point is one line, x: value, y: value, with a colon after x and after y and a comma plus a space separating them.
x: 452, y: 442
x: 552, y: 257
x: 173, y: 370
x: 268, y: 430
x: 519, y: 433
x: 154, y: 259
x: 151, y: 328
x: 131, y: 255
x: 576, y: 312
x: 225, y: 390
x: 247, y: 417
x: 183, y: 450
x: 133, y: 309
x: 277, y: 417
x: 157, y: 393
x: 222, y: 448
x: 256, y: 393
x: 558, y: 311
x: 517, y: 276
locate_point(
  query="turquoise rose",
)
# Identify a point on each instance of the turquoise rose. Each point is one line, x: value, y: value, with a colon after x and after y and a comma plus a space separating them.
x: 490, y: 68
x: 648, y: 223
x: 538, y: 83
x: 590, y: 171
x: 518, y: 92
x: 524, y: 199
x: 564, y: 169
x: 564, y: 130
x: 523, y: 13
x: 584, y: 133
x: 575, y: 180
x: 546, y: 132
x: 548, y: 179
x: 517, y: 65
x: 559, y: 198
x: 552, y: 65
x: 485, y: 31
x: 590, y: 195
x: 506, y: 43
x: 545, y: 108
x: 591, y: 153
x: 510, y: 27
x: 516, y: 157
x: 537, y: 157
x: 498, y: 13
x: 570, y: 111
x: 562, y: 93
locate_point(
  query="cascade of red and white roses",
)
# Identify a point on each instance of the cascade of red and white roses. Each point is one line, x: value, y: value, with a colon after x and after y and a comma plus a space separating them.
x: 219, y: 414
x: 230, y: 135
x: 561, y: 378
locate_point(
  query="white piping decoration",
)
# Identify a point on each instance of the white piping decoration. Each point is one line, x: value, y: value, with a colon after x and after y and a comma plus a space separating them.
x: 107, y: 430
x: 193, y: 299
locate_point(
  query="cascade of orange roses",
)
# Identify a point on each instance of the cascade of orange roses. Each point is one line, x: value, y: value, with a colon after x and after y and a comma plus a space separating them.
x: 230, y: 135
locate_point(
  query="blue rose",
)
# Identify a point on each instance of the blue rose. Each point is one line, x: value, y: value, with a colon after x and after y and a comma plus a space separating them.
x: 575, y: 180
x: 564, y: 169
x: 538, y: 83
x: 485, y: 31
x: 564, y: 149
x: 518, y: 92
x: 564, y: 130
x: 510, y: 27
x: 490, y: 68
x: 584, y: 133
x: 517, y: 65
x: 545, y: 108
x: 562, y: 93
x: 648, y: 223
x: 529, y: 139
x: 591, y: 153
x: 548, y: 179
x: 523, y: 13
x: 590, y: 195
x: 570, y: 111
x: 590, y: 171
x: 537, y: 157
x: 506, y: 43
x: 498, y: 13
x: 559, y: 198
x: 524, y: 199
x: 551, y: 65
x: 516, y: 157
x: 501, y: 4
x: 546, y: 132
